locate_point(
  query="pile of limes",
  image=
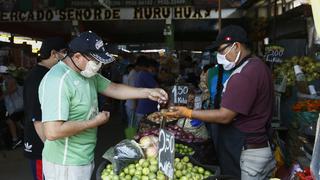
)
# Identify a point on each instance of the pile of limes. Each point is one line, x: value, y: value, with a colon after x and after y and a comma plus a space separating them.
x: 184, y: 150
x: 147, y: 169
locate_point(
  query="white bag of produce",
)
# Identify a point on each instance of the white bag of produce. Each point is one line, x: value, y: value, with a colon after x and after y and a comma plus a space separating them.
x: 315, y: 162
x: 199, y: 131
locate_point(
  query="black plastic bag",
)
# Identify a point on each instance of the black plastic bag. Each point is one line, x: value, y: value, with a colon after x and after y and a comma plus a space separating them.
x: 125, y: 153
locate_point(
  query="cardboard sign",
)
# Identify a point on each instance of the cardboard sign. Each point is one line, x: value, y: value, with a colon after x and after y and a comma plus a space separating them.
x: 274, y: 53
x: 166, y: 153
x: 179, y: 94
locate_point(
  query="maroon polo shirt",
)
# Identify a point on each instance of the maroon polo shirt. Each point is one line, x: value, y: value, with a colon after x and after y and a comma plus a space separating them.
x: 249, y: 92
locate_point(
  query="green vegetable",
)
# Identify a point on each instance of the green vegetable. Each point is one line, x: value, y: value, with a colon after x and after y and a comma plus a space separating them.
x: 147, y: 169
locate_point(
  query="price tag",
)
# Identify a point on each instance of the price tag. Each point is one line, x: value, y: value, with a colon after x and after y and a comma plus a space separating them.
x: 179, y: 94
x: 197, y: 102
x: 274, y: 53
x: 166, y: 153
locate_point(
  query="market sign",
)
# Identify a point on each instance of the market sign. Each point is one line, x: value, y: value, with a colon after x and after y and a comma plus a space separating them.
x: 128, y: 3
x: 166, y: 152
x: 274, y: 53
x: 100, y: 14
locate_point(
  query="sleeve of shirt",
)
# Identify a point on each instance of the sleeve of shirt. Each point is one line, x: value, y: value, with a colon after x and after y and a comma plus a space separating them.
x: 148, y: 81
x: 102, y: 83
x: 240, y: 95
x: 36, y: 109
x: 54, y: 98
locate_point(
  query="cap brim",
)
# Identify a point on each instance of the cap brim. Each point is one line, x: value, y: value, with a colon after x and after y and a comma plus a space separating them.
x: 215, y: 45
x: 104, y: 58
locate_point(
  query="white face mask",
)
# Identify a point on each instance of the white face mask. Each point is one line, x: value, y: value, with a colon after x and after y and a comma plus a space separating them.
x: 91, y: 69
x: 227, y: 65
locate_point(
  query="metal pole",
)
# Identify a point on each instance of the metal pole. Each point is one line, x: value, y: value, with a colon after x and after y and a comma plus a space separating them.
x: 219, y: 10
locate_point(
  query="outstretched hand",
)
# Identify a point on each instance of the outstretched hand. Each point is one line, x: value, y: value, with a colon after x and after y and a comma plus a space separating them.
x: 179, y: 112
x: 158, y: 95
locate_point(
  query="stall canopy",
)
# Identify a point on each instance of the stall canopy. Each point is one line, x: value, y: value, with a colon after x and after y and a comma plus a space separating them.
x: 125, y: 22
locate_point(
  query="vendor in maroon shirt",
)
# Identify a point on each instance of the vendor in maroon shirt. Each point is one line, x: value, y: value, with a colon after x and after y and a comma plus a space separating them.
x: 246, y: 109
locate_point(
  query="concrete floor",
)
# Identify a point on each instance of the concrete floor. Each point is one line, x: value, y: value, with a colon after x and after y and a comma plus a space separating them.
x: 14, y: 166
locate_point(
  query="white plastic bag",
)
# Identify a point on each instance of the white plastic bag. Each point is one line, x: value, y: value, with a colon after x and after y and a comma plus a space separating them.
x: 315, y: 162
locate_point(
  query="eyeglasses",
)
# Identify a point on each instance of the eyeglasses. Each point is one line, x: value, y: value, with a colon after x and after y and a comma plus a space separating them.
x: 89, y: 59
x: 221, y: 50
x: 63, y: 51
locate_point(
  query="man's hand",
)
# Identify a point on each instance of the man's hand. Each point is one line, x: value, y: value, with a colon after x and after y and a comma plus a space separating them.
x: 179, y: 112
x: 100, y: 118
x: 59, y: 129
x: 158, y: 95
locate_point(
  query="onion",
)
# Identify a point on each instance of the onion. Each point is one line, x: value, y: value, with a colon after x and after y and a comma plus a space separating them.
x: 190, y: 136
x: 148, y: 141
x: 151, y: 151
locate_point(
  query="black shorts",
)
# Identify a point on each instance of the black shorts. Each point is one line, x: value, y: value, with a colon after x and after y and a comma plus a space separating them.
x: 16, y: 116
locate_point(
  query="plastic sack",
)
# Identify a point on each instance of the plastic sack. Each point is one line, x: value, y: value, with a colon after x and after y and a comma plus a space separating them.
x: 199, y: 131
x: 315, y: 162
x: 125, y: 153
x: 109, y: 154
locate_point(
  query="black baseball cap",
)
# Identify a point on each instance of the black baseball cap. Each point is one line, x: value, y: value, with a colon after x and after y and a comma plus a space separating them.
x: 230, y: 34
x: 49, y: 44
x: 91, y: 44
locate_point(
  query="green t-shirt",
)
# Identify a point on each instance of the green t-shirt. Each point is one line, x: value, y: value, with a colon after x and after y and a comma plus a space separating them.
x: 66, y: 95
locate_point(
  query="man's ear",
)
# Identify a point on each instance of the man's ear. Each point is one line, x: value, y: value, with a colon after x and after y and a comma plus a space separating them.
x: 77, y: 55
x: 53, y: 53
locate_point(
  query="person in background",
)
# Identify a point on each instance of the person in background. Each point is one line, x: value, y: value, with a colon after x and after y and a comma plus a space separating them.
x: 69, y: 105
x: 245, y: 114
x: 131, y: 104
x: 125, y: 80
x: 13, y: 115
x: 146, y: 79
x: 203, y: 85
x: 217, y: 76
x: 52, y: 50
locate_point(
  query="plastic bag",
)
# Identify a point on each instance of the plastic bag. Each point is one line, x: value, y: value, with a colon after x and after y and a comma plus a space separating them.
x: 315, y: 162
x: 199, y: 130
x: 125, y: 153
x: 109, y: 154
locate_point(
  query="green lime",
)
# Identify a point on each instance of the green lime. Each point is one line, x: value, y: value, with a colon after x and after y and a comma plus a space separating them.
x: 185, y: 159
x: 135, y: 178
x: 201, y: 170
x: 128, y: 177
x: 145, y: 171
x: 131, y: 166
x: 144, y: 178
x: 178, y: 173
x: 152, y: 176
x: 126, y: 170
x: 145, y: 164
x: 141, y: 161
x: 132, y: 171
x: 153, y: 168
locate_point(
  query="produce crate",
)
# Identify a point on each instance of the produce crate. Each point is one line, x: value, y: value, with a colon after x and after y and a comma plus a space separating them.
x: 204, y: 151
x: 214, y: 169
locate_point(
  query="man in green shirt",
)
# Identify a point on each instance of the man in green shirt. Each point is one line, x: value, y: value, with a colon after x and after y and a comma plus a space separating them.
x: 70, y: 115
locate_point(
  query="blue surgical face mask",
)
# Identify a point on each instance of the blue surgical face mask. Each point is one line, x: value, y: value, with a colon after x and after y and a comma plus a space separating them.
x: 227, y: 65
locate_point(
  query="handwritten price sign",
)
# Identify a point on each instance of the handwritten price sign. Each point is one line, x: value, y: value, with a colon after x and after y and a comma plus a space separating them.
x: 179, y: 94
x: 166, y: 152
x: 274, y: 53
